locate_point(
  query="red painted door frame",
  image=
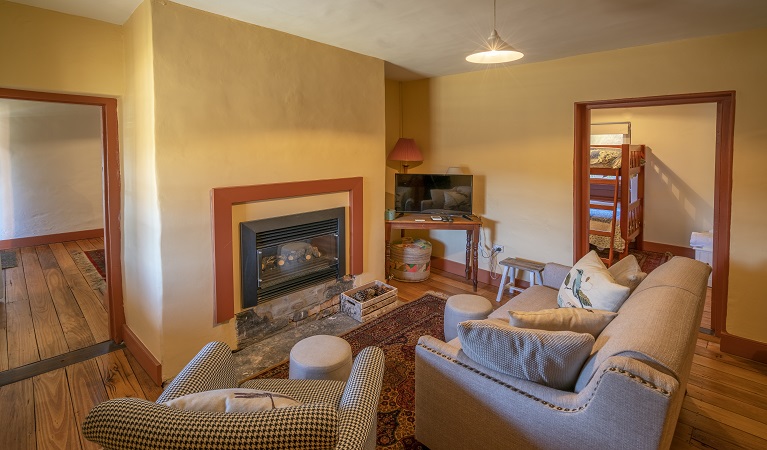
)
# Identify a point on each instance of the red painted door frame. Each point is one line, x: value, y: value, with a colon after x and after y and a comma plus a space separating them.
x: 725, y: 127
x: 112, y: 187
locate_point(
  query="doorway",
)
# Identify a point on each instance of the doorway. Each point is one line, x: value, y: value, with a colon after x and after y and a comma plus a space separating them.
x: 725, y: 120
x: 111, y: 194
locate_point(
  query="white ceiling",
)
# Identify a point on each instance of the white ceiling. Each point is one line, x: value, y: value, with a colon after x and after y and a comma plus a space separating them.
x: 426, y: 38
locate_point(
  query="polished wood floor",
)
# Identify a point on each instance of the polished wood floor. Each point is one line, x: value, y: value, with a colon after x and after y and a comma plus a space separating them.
x: 725, y: 408
x: 54, y: 303
x: 726, y: 402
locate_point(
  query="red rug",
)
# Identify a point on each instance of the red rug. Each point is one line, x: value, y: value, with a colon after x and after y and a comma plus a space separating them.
x: 96, y: 257
x: 648, y: 261
x: 397, y: 334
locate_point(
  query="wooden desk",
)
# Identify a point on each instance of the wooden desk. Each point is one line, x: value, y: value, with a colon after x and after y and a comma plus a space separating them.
x: 408, y: 222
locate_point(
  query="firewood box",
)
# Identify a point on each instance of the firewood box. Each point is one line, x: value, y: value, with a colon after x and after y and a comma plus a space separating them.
x: 361, y: 305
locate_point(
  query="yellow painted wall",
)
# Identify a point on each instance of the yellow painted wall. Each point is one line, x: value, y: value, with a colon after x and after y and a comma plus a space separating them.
x: 679, y: 173
x: 513, y: 128
x: 237, y: 104
x: 143, y: 295
x: 50, y: 51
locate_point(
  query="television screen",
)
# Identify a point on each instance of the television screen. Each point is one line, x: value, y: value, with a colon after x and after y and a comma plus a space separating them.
x: 433, y: 194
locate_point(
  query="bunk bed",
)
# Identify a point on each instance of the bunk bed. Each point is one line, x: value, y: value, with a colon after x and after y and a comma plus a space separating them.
x: 616, y: 198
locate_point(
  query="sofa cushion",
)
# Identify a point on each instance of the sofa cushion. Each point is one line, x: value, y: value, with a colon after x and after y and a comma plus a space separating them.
x: 232, y: 400
x: 534, y: 298
x: 551, y: 358
x: 627, y: 272
x: 579, y: 320
x: 590, y: 285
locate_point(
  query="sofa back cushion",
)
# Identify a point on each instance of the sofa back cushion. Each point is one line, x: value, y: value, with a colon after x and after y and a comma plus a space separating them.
x: 658, y: 323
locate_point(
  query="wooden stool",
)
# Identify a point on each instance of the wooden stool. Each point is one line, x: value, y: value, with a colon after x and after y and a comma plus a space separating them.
x: 535, y: 268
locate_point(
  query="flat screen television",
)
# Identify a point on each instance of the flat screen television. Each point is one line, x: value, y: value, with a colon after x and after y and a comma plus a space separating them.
x: 433, y: 194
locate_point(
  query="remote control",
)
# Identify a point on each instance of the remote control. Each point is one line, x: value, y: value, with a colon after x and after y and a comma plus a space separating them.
x: 437, y: 218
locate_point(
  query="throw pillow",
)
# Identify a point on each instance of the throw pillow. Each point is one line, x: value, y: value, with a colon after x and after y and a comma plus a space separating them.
x: 627, y: 272
x: 551, y: 358
x: 232, y: 400
x: 590, y: 285
x: 578, y: 320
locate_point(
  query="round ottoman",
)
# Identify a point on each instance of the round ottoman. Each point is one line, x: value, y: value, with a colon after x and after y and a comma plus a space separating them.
x: 410, y: 260
x: 464, y: 307
x: 321, y: 357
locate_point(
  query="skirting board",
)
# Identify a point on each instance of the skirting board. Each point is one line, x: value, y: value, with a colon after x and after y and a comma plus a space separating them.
x: 51, y: 238
x: 663, y: 248
x: 483, y: 276
x: 746, y: 348
x: 143, y: 355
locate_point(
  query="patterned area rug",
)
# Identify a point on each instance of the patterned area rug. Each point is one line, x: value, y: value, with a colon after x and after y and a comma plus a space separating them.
x: 648, y: 261
x: 397, y: 334
x: 96, y: 257
x: 8, y: 259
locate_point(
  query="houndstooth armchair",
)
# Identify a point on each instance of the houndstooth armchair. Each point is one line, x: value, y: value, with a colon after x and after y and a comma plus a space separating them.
x: 333, y: 414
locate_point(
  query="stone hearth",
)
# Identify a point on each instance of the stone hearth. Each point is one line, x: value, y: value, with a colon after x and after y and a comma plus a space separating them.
x: 290, y: 311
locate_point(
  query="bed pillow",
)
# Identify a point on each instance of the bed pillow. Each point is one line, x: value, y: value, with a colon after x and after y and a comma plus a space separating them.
x: 627, y: 272
x: 590, y: 285
x: 232, y: 400
x: 551, y: 358
x: 578, y: 320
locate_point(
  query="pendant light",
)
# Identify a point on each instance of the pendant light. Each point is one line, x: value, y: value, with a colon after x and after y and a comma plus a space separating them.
x: 497, y: 50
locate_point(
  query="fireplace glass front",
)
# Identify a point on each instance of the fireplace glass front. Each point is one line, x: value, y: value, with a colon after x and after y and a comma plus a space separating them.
x: 285, y: 254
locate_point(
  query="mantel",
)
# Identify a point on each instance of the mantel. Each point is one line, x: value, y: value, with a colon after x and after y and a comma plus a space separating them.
x: 222, y: 200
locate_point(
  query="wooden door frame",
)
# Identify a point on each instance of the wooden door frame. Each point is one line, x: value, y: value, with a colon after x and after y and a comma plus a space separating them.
x: 112, y: 188
x: 725, y: 129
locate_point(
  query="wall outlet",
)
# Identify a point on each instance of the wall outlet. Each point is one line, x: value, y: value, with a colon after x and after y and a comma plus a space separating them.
x: 498, y: 248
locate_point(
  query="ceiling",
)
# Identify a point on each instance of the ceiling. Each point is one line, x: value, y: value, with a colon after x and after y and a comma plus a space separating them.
x: 427, y: 38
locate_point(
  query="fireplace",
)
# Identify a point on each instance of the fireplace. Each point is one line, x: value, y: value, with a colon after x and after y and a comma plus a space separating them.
x: 285, y: 254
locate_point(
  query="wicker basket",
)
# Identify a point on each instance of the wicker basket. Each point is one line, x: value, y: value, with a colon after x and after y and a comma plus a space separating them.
x: 410, y: 260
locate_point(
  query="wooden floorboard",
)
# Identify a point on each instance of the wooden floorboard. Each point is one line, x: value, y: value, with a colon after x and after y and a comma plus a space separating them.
x: 50, y: 308
x: 17, y: 416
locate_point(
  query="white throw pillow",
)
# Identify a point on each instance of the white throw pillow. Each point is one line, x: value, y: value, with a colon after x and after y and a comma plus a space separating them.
x: 627, y: 272
x: 551, y: 358
x: 578, y: 320
x: 590, y: 285
x: 232, y: 400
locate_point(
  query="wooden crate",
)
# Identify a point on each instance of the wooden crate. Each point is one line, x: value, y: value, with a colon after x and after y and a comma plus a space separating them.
x: 371, y: 308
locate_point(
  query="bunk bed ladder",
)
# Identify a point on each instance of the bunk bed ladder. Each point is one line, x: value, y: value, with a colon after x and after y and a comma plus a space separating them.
x: 613, y: 180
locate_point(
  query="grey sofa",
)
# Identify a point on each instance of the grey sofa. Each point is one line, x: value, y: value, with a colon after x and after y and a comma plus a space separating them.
x: 334, y: 414
x: 628, y: 395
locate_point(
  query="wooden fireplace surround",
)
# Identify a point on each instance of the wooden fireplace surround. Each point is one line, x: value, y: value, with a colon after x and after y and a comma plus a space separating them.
x: 222, y: 201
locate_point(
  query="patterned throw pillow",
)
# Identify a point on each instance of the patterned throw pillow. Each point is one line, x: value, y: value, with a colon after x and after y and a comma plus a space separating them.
x: 590, y: 285
x: 551, y: 358
x: 232, y: 400
x: 578, y: 320
x: 627, y: 272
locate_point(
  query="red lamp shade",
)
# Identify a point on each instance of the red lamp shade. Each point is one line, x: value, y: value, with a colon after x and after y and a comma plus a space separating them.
x: 405, y: 150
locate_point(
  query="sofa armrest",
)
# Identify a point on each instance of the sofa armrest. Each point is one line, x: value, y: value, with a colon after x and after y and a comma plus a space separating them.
x: 554, y: 275
x: 460, y: 405
x: 212, y: 368
x: 357, y: 412
x: 132, y: 423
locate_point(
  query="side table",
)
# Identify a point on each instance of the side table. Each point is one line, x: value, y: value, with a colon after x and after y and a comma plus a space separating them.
x: 535, y: 269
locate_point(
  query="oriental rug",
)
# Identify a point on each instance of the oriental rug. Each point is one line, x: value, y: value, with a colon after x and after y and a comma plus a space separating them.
x: 397, y: 334
x: 96, y: 257
x: 8, y: 259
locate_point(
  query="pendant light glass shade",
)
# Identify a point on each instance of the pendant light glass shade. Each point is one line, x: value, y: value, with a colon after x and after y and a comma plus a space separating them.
x: 497, y: 50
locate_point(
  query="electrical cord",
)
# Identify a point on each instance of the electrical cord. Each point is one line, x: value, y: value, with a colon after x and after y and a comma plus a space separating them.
x: 492, y: 257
